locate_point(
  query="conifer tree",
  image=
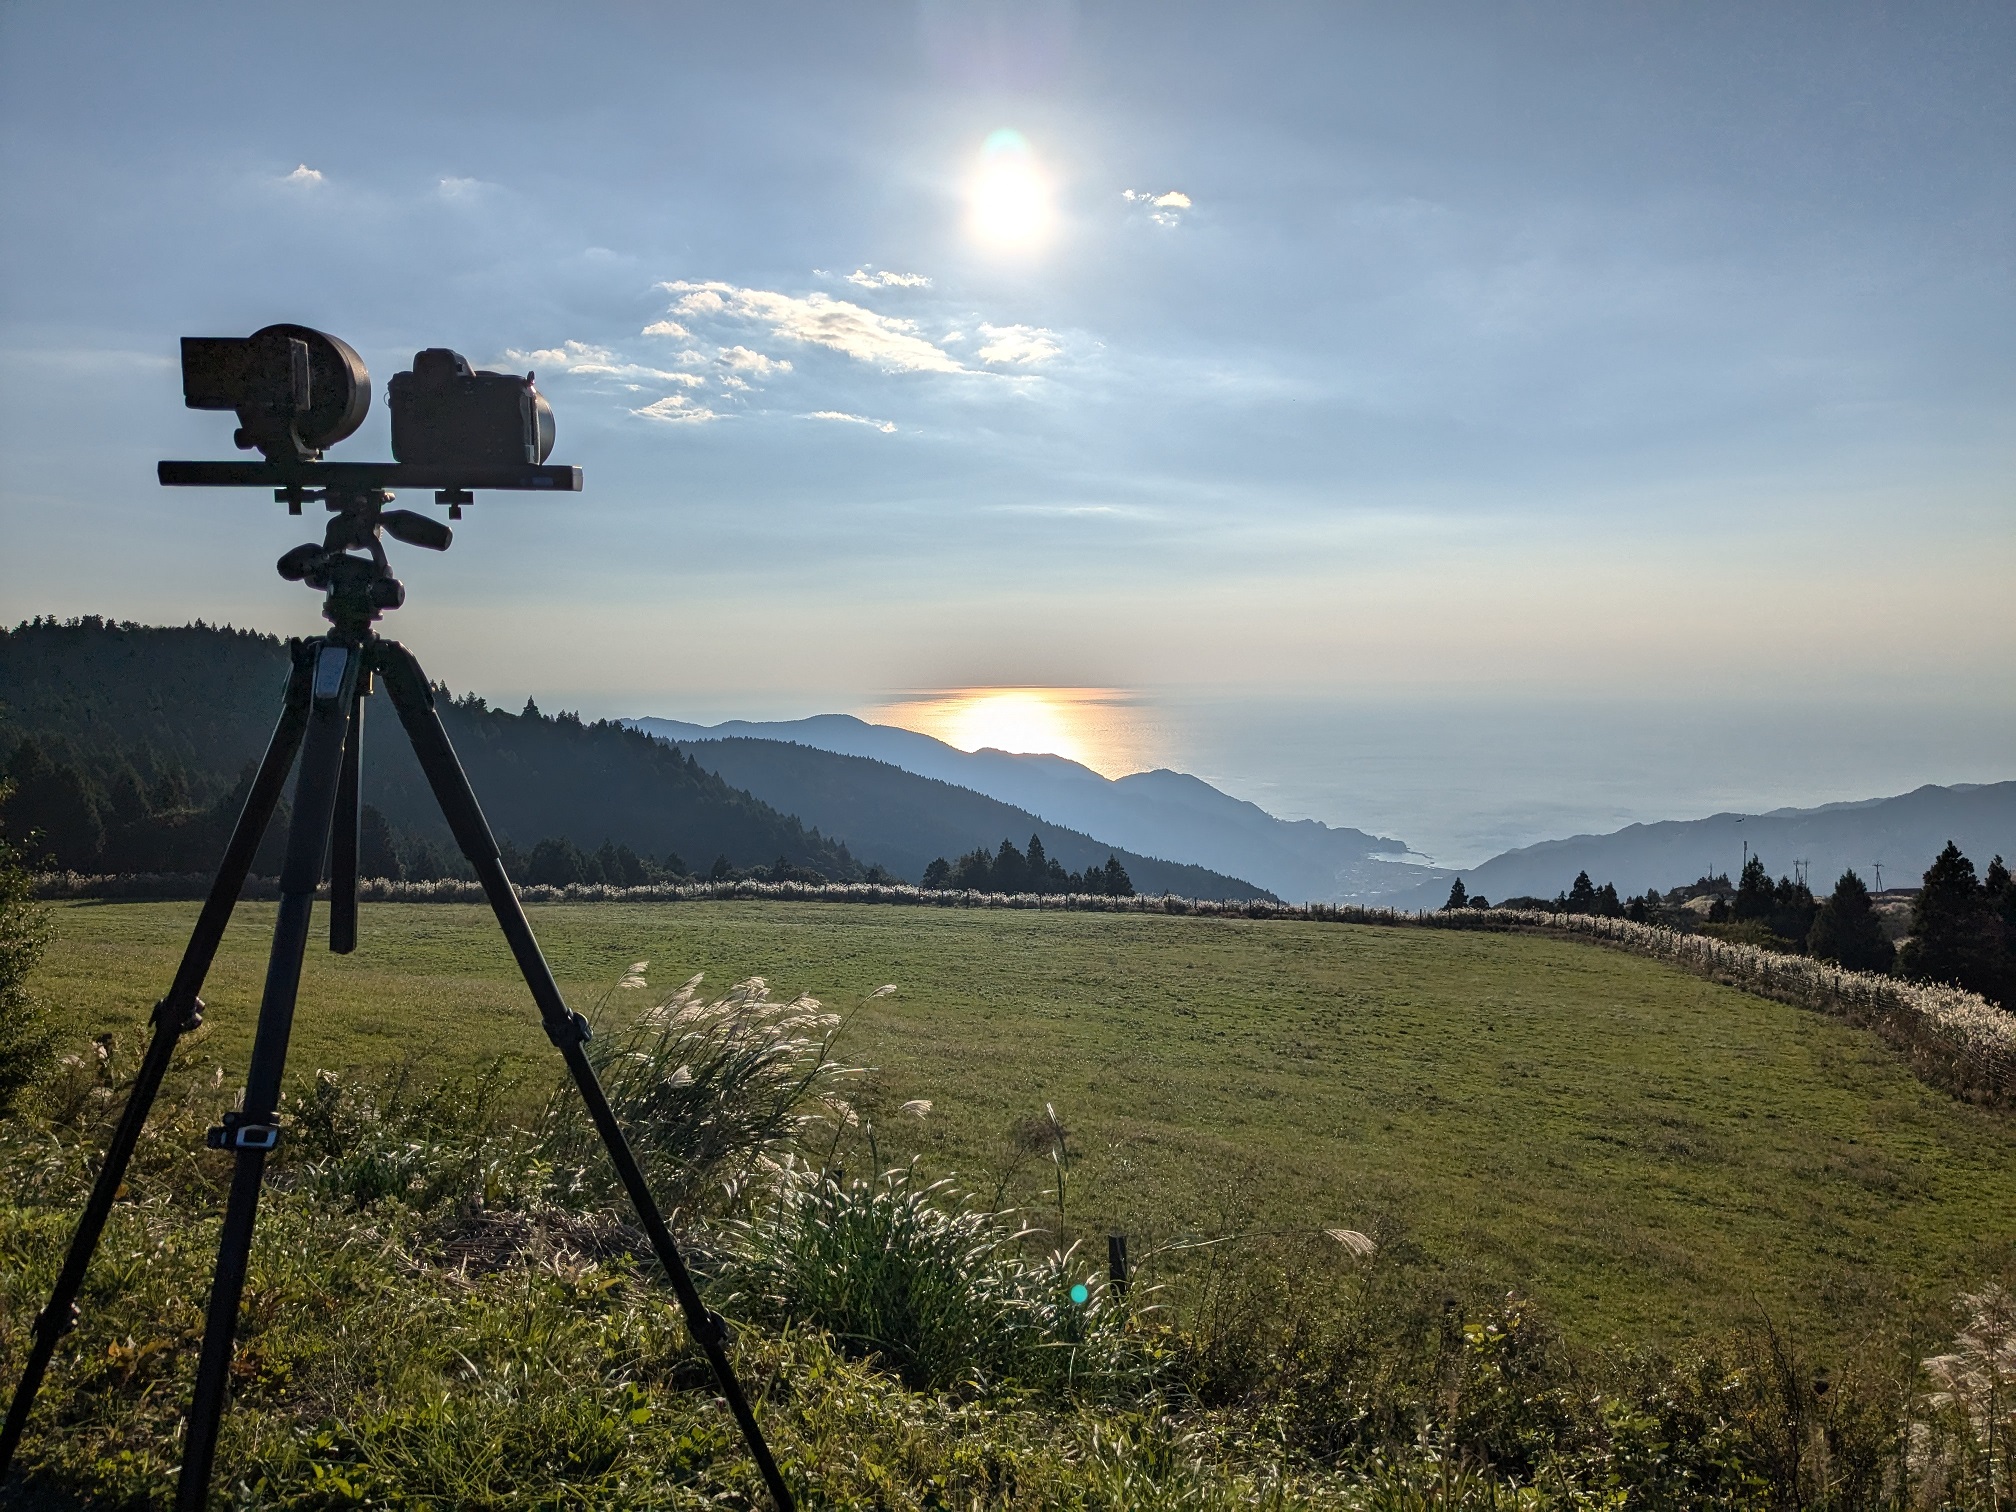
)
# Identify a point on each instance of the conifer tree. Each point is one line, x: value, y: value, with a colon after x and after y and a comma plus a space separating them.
x: 377, y: 856
x: 1847, y: 931
x: 1459, y: 896
x: 1756, y: 897
x: 1954, y: 934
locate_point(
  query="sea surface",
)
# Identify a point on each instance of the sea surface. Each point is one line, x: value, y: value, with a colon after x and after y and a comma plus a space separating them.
x: 1461, y: 779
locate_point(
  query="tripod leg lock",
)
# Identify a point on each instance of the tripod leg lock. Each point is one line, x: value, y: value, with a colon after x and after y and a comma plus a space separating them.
x: 714, y: 1331
x: 238, y: 1133
x: 191, y: 1014
x: 571, y: 1030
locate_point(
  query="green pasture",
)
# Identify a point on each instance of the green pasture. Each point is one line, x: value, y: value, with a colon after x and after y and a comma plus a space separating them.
x: 1651, y: 1155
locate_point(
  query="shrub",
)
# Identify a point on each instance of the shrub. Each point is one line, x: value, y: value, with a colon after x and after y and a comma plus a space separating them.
x: 908, y: 1272
x: 27, y: 1039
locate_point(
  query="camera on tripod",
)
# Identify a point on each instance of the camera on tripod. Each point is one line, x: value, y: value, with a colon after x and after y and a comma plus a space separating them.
x: 296, y: 390
x: 444, y: 413
x: 299, y: 391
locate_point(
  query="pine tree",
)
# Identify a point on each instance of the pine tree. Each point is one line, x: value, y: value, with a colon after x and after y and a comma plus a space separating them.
x: 938, y: 874
x: 1847, y: 931
x: 1039, y: 866
x: 1954, y: 934
x: 1459, y: 896
x: 1582, y: 896
x: 2000, y: 891
x: 52, y: 811
x: 1118, y: 883
x: 377, y: 855
x: 1011, y: 869
x: 1756, y: 897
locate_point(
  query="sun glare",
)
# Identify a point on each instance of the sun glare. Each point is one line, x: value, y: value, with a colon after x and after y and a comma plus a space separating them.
x: 1098, y: 727
x: 1009, y: 199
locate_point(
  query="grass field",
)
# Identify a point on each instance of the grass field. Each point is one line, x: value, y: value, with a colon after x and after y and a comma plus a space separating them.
x: 1650, y: 1154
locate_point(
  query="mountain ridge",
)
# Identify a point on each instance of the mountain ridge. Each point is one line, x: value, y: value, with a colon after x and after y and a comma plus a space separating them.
x: 1160, y: 813
x: 1902, y: 832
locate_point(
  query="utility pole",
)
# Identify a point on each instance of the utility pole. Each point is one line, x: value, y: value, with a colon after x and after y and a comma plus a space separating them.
x: 1879, y: 876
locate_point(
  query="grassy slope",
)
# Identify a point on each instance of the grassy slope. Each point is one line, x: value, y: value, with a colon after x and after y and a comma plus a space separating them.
x: 1648, y: 1152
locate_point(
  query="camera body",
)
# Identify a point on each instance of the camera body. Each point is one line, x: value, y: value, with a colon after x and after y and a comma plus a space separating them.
x: 296, y: 390
x: 446, y: 414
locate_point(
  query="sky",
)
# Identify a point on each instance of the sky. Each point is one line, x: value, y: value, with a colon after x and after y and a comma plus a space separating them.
x: 1276, y: 366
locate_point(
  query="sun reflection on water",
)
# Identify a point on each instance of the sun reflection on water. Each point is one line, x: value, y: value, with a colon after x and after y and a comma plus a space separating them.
x: 1106, y: 729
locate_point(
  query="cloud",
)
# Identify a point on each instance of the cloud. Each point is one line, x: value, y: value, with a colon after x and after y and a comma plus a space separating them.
x: 302, y: 175
x: 579, y: 358
x: 1018, y: 345
x: 743, y: 360
x: 818, y: 320
x: 667, y: 328
x: 676, y: 409
x: 461, y: 188
x: 888, y: 280
x: 1165, y: 209
x: 887, y: 427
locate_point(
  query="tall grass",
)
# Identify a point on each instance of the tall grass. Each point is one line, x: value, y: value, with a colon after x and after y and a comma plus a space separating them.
x: 431, y: 1323
x: 705, y: 1090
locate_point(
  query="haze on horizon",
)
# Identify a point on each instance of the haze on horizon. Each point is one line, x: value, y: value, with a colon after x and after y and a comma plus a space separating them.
x: 1267, y: 365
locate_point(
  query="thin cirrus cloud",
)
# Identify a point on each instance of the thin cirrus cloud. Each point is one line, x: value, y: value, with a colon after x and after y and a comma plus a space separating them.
x: 887, y: 427
x: 302, y: 175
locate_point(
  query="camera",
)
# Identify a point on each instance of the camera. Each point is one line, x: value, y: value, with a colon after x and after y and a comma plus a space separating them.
x: 446, y: 414
x: 296, y: 390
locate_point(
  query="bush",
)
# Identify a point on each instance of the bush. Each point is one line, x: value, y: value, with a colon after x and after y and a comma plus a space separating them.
x: 27, y: 1040
x: 909, y: 1273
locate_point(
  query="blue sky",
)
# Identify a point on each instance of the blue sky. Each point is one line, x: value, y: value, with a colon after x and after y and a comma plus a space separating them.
x: 1597, y: 352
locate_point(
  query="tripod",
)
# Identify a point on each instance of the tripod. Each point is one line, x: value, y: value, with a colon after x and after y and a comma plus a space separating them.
x: 322, y: 720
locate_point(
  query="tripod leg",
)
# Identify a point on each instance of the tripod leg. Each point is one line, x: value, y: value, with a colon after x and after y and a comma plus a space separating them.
x: 343, y: 833
x: 180, y: 1011
x: 567, y: 1029
x: 252, y: 1131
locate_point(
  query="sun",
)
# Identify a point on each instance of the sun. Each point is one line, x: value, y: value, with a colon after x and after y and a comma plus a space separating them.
x: 1009, y: 201
x: 1011, y: 719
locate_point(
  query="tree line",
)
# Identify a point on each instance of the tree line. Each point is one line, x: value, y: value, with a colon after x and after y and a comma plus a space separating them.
x: 1009, y: 870
x: 1963, y: 925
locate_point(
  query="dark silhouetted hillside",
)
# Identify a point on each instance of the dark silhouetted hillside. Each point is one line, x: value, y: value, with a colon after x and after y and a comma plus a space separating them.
x: 135, y: 737
x: 906, y: 821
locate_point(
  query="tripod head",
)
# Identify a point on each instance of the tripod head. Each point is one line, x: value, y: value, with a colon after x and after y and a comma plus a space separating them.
x: 357, y: 588
x: 454, y: 430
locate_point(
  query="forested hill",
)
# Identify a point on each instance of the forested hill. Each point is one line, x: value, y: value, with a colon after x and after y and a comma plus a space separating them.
x: 128, y: 745
x: 906, y: 821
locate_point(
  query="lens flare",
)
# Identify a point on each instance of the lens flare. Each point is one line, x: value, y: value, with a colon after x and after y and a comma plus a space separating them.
x: 1009, y: 201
